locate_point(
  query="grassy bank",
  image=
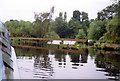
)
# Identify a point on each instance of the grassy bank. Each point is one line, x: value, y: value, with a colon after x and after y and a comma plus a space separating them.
x: 104, y: 46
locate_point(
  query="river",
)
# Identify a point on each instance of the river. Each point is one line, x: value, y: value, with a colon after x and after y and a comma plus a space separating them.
x: 58, y: 64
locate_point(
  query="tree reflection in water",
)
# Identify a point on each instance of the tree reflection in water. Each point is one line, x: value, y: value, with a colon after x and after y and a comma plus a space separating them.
x: 61, y: 58
x: 110, y: 63
x: 77, y: 58
x: 45, y: 65
x: 42, y: 65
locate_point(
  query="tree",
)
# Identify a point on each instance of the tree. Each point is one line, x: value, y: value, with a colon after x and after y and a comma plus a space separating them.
x: 74, y: 26
x: 65, y: 16
x: 84, y: 16
x: 19, y: 28
x: 51, y: 34
x: 83, y: 19
x: 96, y: 30
x: 76, y: 15
x: 113, y: 31
x: 42, y: 23
x: 108, y: 12
x: 81, y: 34
x: 25, y: 28
x: 79, y: 20
x: 60, y: 25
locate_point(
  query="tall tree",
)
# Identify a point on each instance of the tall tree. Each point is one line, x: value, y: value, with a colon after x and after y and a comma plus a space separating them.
x: 84, y: 16
x: 108, y: 12
x: 76, y: 15
x: 79, y: 20
x: 96, y: 30
x: 60, y: 26
x: 74, y: 26
x: 113, y: 31
x: 85, y: 21
x: 65, y: 16
x: 42, y: 23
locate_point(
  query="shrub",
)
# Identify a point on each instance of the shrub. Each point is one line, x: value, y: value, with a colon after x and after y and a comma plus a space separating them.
x: 91, y: 43
x: 103, y: 47
x: 96, y: 46
x: 61, y: 42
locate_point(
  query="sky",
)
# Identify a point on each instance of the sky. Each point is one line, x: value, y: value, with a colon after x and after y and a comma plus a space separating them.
x: 24, y: 9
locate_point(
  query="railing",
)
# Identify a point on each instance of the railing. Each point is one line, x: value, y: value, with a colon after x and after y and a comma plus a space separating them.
x: 78, y: 40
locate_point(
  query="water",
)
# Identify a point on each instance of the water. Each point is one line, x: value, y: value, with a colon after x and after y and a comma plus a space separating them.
x: 59, y: 64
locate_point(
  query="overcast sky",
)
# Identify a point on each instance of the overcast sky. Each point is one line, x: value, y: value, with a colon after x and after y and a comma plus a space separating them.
x: 24, y: 9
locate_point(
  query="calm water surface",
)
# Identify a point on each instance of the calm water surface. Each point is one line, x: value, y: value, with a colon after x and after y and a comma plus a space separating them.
x: 57, y: 64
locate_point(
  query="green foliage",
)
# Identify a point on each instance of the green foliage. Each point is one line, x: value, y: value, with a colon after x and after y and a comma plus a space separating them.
x: 117, y: 49
x: 91, y: 52
x: 105, y: 27
x: 26, y: 27
x: 38, y: 28
x: 60, y: 26
x: 96, y: 46
x: 51, y: 35
x: 42, y: 23
x: 84, y: 16
x: 103, y: 47
x: 96, y: 30
x: 17, y: 41
x: 61, y: 43
x: 71, y: 28
x: 44, y: 26
x: 91, y: 43
x: 85, y: 21
x: 80, y: 16
x: 19, y: 28
x: 79, y: 20
x: 81, y: 34
x: 76, y: 15
x: 113, y: 31
x: 74, y: 26
x: 65, y: 16
x: 108, y: 12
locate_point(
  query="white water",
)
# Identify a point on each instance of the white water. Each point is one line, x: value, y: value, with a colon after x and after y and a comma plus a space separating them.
x: 57, y: 42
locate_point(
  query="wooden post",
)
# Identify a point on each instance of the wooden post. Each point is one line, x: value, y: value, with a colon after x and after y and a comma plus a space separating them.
x: 86, y: 43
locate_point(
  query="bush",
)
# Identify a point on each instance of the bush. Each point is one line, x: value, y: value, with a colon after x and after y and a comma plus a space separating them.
x: 103, y: 47
x: 61, y: 42
x: 117, y: 41
x: 96, y: 46
x: 17, y: 41
x: 51, y: 35
x: 117, y: 49
x: 91, y: 43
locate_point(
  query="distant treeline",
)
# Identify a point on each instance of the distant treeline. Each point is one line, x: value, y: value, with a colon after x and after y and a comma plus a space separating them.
x: 105, y: 27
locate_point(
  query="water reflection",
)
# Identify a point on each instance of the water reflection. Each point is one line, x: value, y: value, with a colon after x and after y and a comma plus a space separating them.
x: 56, y: 64
x: 109, y: 64
x: 42, y: 65
x: 78, y: 59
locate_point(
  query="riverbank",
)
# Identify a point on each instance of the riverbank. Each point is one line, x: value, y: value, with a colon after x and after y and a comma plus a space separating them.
x: 107, y: 46
x: 70, y: 44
